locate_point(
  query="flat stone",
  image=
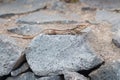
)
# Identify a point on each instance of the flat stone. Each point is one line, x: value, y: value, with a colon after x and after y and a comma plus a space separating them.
x: 25, y: 29
x: 111, y: 17
x: 10, y: 53
x: 103, y: 4
x: 45, y: 17
x: 52, y: 54
x: 109, y: 71
x: 24, y: 76
x: 20, y: 70
x: 74, y: 76
x: 116, y: 39
x: 21, y: 6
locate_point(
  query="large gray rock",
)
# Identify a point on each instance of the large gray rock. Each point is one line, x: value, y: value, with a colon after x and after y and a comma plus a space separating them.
x: 52, y: 54
x: 74, y: 76
x: 10, y: 53
x: 109, y: 71
x: 22, y: 6
x: 20, y: 70
x: 104, y: 4
x: 45, y: 17
x: 111, y: 17
x: 25, y: 29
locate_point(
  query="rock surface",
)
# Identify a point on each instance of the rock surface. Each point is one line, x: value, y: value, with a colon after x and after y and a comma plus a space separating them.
x: 104, y: 4
x: 24, y: 76
x: 10, y: 53
x: 59, y: 6
x: 25, y: 29
x: 110, y: 71
x: 116, y: 39
x: 20, y: 70
x: 52, y: 54
x: 45, y: 17
x: 74, y: 76
x: 31, y: 76
x: 23, y: 6
x: 111, y: 17
x: 50, y: 78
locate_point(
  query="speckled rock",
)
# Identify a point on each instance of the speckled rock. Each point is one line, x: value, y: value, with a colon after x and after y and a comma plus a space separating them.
x: 103, y: 4
x: 52, y: 54
x: 24, y: 76
x: 45, y: 17
x: 23, y: 6
x: 31, y: 76
x: 116, y: 39
x: 59, y: 6
x: 109, y: 71
x: 74, y: 76
x: 25, y: 29
x: 10, y: 53
x: 110, y: 17
x: 50, y: 78
x: 20, y: 70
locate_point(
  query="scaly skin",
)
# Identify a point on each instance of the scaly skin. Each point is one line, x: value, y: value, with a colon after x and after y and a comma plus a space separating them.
x: 74, y: 31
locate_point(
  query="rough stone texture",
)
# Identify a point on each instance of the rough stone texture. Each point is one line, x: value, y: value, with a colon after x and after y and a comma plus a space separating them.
x: 59, y: 6
x: 25, y: 29
x: 104, y: 15
x: 20, y: 70
x: 52, y: 54
x: 111, y: 17
x: 105, y: 4
x: 24, y: 76
x: 44, y: 17
x: 23, y: 6
x: 110, y: 71
x: 74, y: 76
x: 8, y: 39
x: 31, y: 76
x: 116, y: 39
x: 50, y: 78
x: 10, y: 53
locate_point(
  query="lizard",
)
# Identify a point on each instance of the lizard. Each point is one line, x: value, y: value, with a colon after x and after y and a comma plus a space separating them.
x: 73, y: 31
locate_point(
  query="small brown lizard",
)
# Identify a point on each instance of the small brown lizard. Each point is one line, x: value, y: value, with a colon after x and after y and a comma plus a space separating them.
x: 73, y: 31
